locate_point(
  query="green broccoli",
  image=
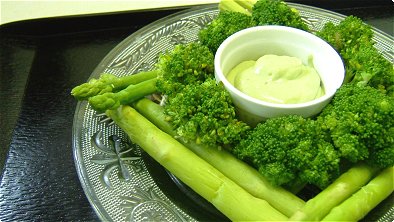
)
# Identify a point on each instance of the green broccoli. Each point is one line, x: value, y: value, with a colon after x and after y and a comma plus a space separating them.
x: 369, y: 67
x: 364, y: 64
x: 360, y: 121
x: 348, y: 35
x: 289, y: 148
x: 204, y: 113
x: 266, y: 12
x: 235, y: 15
x: 224, y: 25
x: 185, y: 64
x: 276, y: 12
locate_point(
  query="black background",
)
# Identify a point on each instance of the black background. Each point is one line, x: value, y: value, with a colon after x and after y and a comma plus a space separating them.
x: 41, y: 61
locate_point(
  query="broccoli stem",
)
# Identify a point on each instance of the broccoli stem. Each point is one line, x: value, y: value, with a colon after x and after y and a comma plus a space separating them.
x: 109, y: 83
x: 128, y: 95
x: 204, y: 179
x: 369, y: 196
x: 238, y: 171
x: 349, y: 182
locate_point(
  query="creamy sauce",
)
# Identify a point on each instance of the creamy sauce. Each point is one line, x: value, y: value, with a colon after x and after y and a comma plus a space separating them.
x: 277, y: 79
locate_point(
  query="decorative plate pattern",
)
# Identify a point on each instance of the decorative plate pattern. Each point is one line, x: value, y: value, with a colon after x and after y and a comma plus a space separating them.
x: 115, y: 174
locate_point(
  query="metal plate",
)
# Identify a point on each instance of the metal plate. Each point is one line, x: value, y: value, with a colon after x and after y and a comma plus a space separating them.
x: 125, y: 184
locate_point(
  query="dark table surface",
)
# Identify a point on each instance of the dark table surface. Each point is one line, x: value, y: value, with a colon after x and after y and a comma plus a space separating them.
x: 40, y: 61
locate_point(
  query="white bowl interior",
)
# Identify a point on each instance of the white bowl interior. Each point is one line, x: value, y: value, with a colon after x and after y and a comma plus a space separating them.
x: 252, y: 43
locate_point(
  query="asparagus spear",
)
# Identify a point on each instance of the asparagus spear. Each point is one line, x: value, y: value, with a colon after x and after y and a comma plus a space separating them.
x: 235, y: 169
x: 112, y: 100
x: 207, y: 181
x: 349, y: 182
x: 359, y: 204
x: 246, y: 4
x: 231, y: 5
x: 109, y: 83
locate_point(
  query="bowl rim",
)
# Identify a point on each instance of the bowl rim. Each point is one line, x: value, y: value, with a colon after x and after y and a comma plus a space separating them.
x: 220, y: 77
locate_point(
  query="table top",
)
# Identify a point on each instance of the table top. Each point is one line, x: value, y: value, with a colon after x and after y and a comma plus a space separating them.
x: 41, y: 61
x: 13, y: 11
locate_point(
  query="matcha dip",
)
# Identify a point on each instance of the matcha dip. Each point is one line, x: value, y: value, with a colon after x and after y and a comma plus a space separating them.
x: 277, y: 79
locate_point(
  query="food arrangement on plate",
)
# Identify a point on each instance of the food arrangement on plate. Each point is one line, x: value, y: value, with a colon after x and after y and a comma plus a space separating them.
x: 185, y: 117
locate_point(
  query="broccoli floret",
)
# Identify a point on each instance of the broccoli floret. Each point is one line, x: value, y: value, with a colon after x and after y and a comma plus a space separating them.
x: 290, y: 148
x: 266, y: 12
x: 369, y: 67
x: 204, y: 113
x: 198, y: 108
x: 275, y: 12
x: 364, y: 64
x: 185, y: 64
x: 360, y: 120
x: 348, y: 35
x: 236, y: 15
x: 224, y: 25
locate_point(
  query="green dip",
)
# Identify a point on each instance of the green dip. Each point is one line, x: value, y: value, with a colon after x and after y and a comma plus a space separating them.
x: 277, y: 79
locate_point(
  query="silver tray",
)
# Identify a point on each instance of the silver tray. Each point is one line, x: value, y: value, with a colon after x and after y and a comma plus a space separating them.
x: 121, y: 182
